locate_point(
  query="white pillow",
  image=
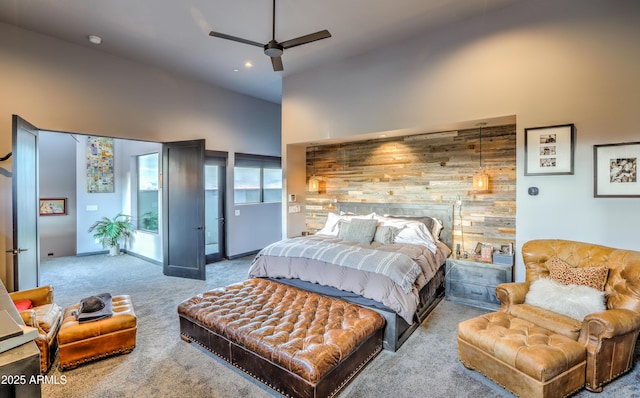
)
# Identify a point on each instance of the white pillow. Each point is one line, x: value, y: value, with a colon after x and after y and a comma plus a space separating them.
x: 575, y: 301
x: 437, y: 228
x: 435, y: 225
x: 409, y: 231
x: 416, y: 233
x: 332, y: 227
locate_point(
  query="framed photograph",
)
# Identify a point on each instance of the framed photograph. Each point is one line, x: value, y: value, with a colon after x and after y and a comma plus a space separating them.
x: 486, y: 255
x: 505, y: 249
x: 615, y: 170
x: 478, y: 248
x: 549, y: 150
x: 53, y: 206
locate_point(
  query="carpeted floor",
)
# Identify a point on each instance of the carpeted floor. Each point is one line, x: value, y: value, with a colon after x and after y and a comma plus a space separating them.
x: 162, y: 365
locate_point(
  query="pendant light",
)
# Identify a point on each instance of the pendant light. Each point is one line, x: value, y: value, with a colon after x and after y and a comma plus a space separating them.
x: 314, y: 183
x: 481, y: 179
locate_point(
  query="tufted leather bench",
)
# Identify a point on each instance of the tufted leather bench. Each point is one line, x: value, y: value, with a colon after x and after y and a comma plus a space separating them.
x: 526, y: 359
x: 297, y: 342
x: 83, y: 342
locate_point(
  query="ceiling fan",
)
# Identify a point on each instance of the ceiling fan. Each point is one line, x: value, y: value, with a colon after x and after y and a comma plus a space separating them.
x: 273, y: 48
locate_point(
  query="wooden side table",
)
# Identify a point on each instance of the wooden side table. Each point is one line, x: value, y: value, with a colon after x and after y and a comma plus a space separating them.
x: 474, y: 283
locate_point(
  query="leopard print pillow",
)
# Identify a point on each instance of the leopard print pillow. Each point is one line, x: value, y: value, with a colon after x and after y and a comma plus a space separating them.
x: 595, y: 277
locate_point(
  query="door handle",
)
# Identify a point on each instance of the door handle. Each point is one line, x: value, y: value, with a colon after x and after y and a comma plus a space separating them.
x: 200, y: 228
x: 16, y: 251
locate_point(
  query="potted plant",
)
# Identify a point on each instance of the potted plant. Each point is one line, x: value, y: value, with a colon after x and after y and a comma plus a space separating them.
x: 150, y: 221
x: 109, y: 232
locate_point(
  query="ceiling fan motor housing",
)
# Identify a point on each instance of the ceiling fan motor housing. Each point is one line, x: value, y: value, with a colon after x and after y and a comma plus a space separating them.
x: 273, y: 49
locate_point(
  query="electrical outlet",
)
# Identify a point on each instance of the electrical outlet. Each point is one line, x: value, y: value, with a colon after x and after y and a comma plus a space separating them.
x: 458, y: 202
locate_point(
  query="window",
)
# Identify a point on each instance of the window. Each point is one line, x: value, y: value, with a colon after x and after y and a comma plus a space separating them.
x: 257, y: 179
x: 272, y: 185
x: 148, y: 192
x: 246, y: 183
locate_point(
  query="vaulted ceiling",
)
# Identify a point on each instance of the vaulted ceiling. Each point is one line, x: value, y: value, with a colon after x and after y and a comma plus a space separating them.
x: 174, y: 35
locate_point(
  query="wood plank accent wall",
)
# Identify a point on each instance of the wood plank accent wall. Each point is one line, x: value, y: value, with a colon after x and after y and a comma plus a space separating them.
x: 423, y: 169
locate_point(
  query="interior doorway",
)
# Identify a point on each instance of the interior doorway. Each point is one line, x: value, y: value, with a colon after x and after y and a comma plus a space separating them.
x: 214, y: 194
x: 132, y: 157
x: 66, y: 173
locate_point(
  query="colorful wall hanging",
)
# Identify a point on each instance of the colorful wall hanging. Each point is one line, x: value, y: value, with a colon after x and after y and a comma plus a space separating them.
x: 100, y: 177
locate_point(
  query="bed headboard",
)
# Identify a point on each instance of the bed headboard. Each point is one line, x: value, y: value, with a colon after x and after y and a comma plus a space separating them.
x: 443, y: 212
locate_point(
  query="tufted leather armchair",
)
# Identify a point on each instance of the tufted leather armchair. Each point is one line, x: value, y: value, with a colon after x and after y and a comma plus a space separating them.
x: 609, y: 336
x: 46, y: 316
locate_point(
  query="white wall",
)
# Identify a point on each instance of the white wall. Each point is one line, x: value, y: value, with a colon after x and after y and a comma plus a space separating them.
x: 122, y: 200
x: 545, y: 61
x: 145, y: 243
x: 63, y: 87
x: 58, y: 180
x: 106, y: 204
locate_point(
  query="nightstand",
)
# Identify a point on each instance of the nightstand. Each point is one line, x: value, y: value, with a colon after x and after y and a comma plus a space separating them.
x: 474, y: 283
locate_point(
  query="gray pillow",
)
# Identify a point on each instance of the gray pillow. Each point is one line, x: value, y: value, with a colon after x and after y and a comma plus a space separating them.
x: 385, y: 234
x: 358, y: 230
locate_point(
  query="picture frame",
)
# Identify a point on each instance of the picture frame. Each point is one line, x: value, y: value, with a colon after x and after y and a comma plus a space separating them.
x: 53, y: 206
x: 486, y: 255
x: 478, y: 248
x: 549, y: 150
x: 615, y: 170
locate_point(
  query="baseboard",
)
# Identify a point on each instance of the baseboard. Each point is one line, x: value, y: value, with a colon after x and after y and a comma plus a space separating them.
x: 141, y: 257
x: 85, y: 254
x: 237, y: 256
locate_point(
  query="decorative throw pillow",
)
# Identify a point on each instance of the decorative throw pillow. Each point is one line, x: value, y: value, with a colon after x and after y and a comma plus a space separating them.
x: 595, y: 277
x: 358, y: 230
x: 23, y: 305
x: 575, y: 301
x: 385, y: 234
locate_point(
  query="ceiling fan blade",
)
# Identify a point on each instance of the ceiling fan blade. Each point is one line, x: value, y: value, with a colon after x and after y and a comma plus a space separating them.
x: 233, y: 38
x: 277, y: 64
x: 323, y: 34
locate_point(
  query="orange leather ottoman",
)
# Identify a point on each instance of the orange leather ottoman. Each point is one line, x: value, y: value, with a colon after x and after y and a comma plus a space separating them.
x: 83, y: 342
x: 526, y: 359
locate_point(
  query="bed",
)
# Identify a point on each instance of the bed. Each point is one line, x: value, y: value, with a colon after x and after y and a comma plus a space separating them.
x: 403, y: 298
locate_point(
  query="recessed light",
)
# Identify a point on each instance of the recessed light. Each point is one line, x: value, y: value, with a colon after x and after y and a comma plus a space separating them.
x: 95, y: 39
x: 236, y: 70
x: 248, y: 64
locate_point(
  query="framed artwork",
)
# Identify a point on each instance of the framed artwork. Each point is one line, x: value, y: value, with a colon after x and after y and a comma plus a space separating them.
x: 53, y: 206
x: 549, y: 150
x: 615, y: 170
x: 100, y: 177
